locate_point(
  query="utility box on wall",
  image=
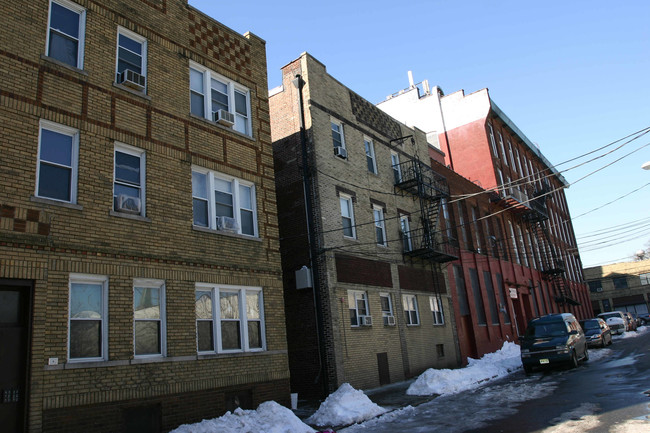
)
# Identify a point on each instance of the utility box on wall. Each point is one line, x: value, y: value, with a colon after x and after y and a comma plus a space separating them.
x: 304, y: 278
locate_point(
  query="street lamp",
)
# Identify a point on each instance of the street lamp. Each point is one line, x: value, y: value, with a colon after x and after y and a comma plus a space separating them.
x: 646, y: 165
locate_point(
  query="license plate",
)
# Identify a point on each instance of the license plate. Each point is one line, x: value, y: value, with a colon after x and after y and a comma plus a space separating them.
x: 543, y: 361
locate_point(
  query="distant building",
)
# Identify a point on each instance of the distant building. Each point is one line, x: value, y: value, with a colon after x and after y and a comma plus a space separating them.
x: 140, y: 277
x: 365, y: 290
x: 621, y: 286
x: 519, y: 257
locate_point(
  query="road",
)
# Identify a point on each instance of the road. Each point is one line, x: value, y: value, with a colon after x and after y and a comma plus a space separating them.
x: 609, y: 393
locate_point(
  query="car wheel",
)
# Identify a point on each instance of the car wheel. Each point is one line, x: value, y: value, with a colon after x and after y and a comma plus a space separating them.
x: 528, y: 369
x: 573, y: 362
x: 604, y: 343
x: 586, y: 358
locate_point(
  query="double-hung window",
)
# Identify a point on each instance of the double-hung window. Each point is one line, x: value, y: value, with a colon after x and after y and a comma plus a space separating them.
x: 131, y: 68
x: 223, y: 202
x: 347, y: 216
x: 502, y: 146
x: 407, y: 242
x: 410, y: 303
x: 492, y: 142
x: 87, y: 319
x: 57, y: 162
x: 645, y: 278
x: 338, y: 139
x: 65, y: 36
x: 380, y: 228
x: 149, y: 317
x: 210, y: 93
x: 370, y: 155
x: 397, y: 170
x: 229, y: 319
x: 129, y: 180
x: 358, y: 305
x: 512, y: 156
x: 387, y: 309
x: 435, y: 303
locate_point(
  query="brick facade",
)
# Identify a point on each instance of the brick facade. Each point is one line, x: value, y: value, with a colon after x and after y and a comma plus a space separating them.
x: 325, y: 348
x: 44, y: 242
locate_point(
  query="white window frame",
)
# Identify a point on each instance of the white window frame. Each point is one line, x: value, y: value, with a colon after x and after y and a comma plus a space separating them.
x: 354, y: 296
x: 74, y: 7
x: 74, y: 134
x: 437, y: 311
x: 232, y: 87
x: 395, y: 165
x: 492, y: 141
x: 501, y: 186
x: 513, y: 238
x: 386, y: 313
x: 136, y: 38
x: 237, y: 207
x: 512, y: 155
x: 141, y: 283
x: 408, y: 302
x: 337, y: 128
x: 371, y: 161
x: 380, y: 225
x: 102, y: 281
x: 645, y: 278
x: 405, y: 229
x: 522, y: 245
x: 503, y: 149
x: 140, y: 153
x: 344, y: 198
x: 242, y: 291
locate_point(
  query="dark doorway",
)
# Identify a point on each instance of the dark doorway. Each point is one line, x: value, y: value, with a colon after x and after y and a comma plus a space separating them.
x: 382, y: 366
x: 15, y: 308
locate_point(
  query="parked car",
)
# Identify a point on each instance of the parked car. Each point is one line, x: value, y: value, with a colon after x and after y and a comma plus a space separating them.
x: 597, y: 332
x: 630, y: 320
x: 645, y: 318
x: 551, y: 340
x: 616, y: 321
x: 638, y: 320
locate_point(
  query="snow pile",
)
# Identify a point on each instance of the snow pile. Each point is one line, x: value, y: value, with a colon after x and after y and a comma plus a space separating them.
x: 345, y: 406
x: 492, y: 365
x: 270, y: 417
x: 631, y: 334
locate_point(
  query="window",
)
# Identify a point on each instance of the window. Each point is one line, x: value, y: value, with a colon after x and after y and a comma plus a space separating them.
x: 370, y: 155
x: 440, y: 350
x: 503, y: 149
x: 435, y: 302
x: 65, y: 36
x: 132, y: 56
x: 224, y: 94
x: 397, y: 170
x: 515, y: 251
x: 477, y: 230
x: 478, y: 297
x: 347, y: 216
x: 338, y: 140
x: 380, y: 229
x: 512, y: 156
x: 410, y: 304
x: 229, y: 319
x: 522, y: 245
x: 645, y: 278
x: 502, y: 187
x: 405, y: 228
x: 492, y: 142
x: 358, y: 305
x: 149, y: 317
x: 224, y: 203
x: 387, y: 309
x: 128, y: 181
x: 620, y: 282
x: 57, y: 162
x: 87, y: 327
x: 492, y: 302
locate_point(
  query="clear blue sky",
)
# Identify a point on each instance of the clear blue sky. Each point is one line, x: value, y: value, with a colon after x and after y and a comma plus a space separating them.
x: 573, y: 75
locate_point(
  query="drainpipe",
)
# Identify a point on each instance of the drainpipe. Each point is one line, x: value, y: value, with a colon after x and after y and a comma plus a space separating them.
x: 299, y: 83
x: 444, y: 128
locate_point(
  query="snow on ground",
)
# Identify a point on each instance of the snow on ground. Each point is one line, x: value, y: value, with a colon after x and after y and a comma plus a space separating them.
x: 270, y: 417
x: 631, y: 334
x: 491, y: 366
x: 581, y: 419
x: 345, y: 406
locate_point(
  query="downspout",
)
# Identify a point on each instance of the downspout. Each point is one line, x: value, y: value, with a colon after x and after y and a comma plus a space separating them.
x: 299, y: 83
x: 444, y: 128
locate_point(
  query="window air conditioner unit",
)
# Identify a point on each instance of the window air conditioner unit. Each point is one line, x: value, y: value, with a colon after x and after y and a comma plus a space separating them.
x: 389, y: 320
x: 225, y: 118
x: 365, y: 320
x: 129, y: 204
x: 132, y: 79
x: 599, y: 289
x: 227, y: 224
x: 340, y: 152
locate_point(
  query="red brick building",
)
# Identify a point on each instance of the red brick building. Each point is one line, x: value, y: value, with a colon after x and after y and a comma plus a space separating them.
x: 519, y: 257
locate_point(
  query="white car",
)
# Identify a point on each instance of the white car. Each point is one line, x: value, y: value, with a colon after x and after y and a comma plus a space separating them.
x: 615, y: 320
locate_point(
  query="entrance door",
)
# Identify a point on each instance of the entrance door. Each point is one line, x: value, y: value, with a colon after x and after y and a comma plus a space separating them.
x: 14, y: 333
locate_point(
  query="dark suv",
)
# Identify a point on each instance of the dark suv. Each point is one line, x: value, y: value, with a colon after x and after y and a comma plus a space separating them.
x: 553, y: 339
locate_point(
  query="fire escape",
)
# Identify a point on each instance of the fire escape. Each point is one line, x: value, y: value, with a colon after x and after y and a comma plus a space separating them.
x: 429, y: 188
x: 553, y: 268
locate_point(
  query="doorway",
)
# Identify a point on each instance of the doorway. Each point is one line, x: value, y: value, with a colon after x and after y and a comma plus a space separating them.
x: 15, y: 320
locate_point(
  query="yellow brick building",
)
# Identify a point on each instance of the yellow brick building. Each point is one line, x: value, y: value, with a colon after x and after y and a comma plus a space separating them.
x: 623, y: 286
x: 140, y: 276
